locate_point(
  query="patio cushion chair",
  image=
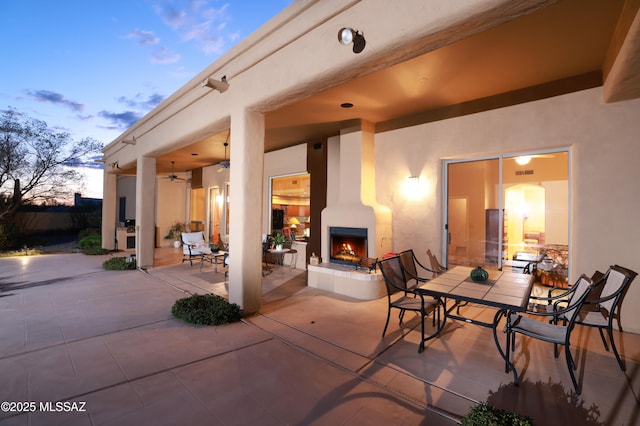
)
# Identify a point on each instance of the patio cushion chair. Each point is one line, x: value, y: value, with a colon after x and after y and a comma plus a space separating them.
x: 551, y: 331
x: 607, y: 307
x: 400, y: 297
x: 194, y: 246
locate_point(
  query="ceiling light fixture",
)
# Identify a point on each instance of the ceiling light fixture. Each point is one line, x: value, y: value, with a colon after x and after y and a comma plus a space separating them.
x: 219, y: 85
x: 348, y: 36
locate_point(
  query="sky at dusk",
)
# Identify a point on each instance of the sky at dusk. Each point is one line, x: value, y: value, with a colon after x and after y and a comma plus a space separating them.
x: 93, y: 68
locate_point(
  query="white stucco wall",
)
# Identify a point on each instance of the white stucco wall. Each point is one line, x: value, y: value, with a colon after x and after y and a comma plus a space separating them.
x: 605, y: 173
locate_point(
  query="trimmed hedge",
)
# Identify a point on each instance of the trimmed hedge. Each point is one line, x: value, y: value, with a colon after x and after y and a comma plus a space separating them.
x: 207, y: 309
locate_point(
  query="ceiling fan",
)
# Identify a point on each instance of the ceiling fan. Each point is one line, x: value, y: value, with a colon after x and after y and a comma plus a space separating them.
x: 225, y: 164
x: 173, y: 177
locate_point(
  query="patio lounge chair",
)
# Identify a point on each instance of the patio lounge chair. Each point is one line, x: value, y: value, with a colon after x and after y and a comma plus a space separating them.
x: 402, y: 298
x: 194, y: 246
x: 550, y: 331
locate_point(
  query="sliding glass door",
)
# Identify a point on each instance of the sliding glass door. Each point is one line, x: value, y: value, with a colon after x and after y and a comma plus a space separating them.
x: 509, y: 210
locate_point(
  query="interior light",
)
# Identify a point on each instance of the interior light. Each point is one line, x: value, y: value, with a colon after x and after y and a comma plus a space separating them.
x: 523, y: 160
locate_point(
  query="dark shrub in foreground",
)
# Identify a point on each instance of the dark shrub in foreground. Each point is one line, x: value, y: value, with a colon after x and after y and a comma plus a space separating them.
x: 207, y: 309
x: 484, y: 415
x: 118, y: 264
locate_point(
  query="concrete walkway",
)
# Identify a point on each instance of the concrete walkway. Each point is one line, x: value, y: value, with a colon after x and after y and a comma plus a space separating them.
x: 104, y: 343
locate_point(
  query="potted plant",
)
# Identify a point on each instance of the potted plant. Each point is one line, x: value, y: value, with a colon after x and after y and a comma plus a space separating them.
x: 174, y: 233
x: 278, y: 240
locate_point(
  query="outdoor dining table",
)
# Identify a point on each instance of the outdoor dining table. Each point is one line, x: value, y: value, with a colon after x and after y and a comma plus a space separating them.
x: 504, y: 290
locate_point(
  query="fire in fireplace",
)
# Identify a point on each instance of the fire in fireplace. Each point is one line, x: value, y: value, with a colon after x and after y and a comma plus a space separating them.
x: 347, y: 245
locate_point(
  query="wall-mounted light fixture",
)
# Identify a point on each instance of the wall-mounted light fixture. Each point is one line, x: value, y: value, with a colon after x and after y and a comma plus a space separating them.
x: 131, y: 141
x: 347, y: 36
x: 219, y: 85
x: 414, y: 183
x: 523, y: 160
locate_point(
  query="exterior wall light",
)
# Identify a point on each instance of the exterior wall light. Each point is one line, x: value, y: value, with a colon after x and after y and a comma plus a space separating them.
x: 523, y: 160
x: 348, y: 36
x: 219, y: 85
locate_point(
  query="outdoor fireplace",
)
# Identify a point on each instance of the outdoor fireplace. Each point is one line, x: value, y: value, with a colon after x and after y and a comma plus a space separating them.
x: 347, y: 245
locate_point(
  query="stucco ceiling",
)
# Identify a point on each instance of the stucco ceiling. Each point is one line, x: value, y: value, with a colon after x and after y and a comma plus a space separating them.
x: 566, y: 40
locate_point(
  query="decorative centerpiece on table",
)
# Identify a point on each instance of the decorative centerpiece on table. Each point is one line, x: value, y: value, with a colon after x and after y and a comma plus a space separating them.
x: 277, y: 241
x: 479, y: 275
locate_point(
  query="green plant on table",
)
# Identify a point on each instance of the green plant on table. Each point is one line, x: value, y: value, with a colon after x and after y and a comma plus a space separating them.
x: 278, y: 239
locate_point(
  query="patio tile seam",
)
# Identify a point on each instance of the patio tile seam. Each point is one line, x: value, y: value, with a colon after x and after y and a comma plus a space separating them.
x: 357, y: 373
x: 130, y: 380
x: 82, y: 339
x: 172, y: 281
x: 60, y: 280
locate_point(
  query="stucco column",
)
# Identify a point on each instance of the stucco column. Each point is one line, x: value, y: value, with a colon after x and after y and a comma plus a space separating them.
x: 245, y: 227
x: 145, y: 211
x: 109, y: 210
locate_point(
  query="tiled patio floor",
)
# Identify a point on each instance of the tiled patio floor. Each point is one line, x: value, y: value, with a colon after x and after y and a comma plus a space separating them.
x: 73, y: 332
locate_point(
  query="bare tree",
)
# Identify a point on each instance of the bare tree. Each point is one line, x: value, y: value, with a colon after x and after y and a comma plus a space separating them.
x: 36, y: 163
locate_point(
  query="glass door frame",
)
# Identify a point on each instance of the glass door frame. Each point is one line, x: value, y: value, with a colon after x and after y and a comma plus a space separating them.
x: 501, y: 158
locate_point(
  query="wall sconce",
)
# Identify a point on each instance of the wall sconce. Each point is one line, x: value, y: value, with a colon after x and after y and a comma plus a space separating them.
x: 523, y: 160
x: 347, y: 36
x: 131, y: 141
x: 219, y: 85
x: 414, y: 183
x: 219, y: 199
x: 414, y: 188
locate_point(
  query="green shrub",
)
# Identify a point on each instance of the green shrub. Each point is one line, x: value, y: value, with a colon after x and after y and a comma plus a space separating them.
x: 91, y: 241
x: 9, y: 236
x: 207, y: 309
x: 88, y: 232
x: 486, y: 415
x: 95, y: 251
x: 118, y: 264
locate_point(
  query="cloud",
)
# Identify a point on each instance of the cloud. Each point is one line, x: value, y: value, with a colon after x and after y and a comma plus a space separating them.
x: 121, y: 120
x: 144, y: 38
x: 140, y: 103
x: 196, y: 21
x: 88, y: 163
x: 138, y: 106
x: 56, y: 99
x: 163, y: 55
